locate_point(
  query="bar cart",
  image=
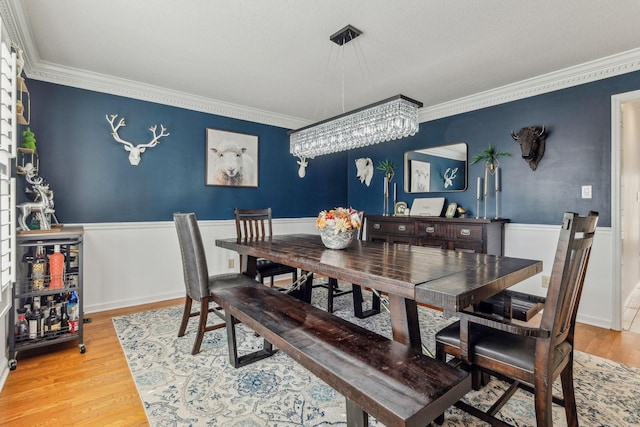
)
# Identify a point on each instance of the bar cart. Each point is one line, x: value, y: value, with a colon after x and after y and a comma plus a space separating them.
x: 47, y: 296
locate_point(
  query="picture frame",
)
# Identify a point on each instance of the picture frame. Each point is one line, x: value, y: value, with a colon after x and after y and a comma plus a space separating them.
x: 451, y: 210
x: 400, y: 209
x: 419, y: 176
x: 231, y: 159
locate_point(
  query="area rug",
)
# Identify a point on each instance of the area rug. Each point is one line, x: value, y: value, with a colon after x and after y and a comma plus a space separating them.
x: 178, y: 389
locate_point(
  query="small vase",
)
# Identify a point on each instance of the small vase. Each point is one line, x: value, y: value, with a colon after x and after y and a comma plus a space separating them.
x: 333, y: 240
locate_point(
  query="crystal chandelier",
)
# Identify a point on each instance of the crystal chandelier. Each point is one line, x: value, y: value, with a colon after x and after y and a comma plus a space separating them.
x: 386, y: 120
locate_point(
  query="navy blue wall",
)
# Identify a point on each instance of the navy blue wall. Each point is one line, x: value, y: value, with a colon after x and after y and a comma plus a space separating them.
x: 578, y: 152
x: 93, y: 181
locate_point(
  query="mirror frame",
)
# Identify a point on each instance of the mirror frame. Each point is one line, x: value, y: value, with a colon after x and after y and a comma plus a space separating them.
x: 414, y: 166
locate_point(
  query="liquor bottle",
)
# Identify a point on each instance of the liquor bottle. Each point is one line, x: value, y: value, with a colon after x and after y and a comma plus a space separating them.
x: 64, y: 318
x: 22, y: 327
x: 34, y: 323
x: 53, y: 321
x: 38, y: 270
x: 56, y: 268
x: 72, y: 311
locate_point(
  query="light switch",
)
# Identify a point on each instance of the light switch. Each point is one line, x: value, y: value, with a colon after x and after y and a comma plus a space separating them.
x: 586, y: 191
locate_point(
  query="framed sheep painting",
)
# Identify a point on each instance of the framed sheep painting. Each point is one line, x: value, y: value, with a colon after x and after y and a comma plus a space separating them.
x: 232, y: 159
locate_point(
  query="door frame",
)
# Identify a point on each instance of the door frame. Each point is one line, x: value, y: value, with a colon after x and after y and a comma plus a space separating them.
x: 616, y: 200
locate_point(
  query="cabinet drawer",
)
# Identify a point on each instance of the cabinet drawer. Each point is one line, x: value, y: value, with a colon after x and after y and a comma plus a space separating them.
x: 468, y: 232
x: 395, y: 227
x: 431, y: 229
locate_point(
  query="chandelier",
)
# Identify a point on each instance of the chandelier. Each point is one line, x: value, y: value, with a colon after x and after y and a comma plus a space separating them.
x: 386, y: 120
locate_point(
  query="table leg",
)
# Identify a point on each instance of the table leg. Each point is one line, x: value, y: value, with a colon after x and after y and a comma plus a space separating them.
x: 404, y: 321
x: 248, y: 265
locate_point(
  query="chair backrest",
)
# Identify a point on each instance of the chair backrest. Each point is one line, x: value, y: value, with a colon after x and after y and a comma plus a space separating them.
x: 194, y: 261
x: 567, y: 276
x: 253, y: 224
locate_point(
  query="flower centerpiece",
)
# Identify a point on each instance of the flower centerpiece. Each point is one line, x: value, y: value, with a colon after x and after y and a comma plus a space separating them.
x: 338, y: 227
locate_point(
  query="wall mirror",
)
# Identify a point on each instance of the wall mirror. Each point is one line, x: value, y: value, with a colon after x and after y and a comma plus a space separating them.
x: 436, y: 169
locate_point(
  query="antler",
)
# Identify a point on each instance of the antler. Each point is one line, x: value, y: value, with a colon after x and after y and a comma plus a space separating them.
x: 155, y: 141
x: 115, y: 129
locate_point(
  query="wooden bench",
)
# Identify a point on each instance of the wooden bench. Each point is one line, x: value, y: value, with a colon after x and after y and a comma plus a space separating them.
x: 378, y: 376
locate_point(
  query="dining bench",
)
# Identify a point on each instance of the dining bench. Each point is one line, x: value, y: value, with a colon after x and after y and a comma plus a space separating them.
x: 380, y: 377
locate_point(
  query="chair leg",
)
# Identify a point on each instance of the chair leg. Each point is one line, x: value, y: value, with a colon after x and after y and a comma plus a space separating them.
x: 202, y: 325
x: 186, y: 315
x: 566, y: 376
x: 543, y: 401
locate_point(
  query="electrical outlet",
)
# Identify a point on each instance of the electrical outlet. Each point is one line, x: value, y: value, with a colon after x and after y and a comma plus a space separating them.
x: 231, y: 263
x: 545, y: 281
x: 586, y: 191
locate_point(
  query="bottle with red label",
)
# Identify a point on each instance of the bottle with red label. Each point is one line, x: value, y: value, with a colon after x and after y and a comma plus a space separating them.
x: 56, y: 269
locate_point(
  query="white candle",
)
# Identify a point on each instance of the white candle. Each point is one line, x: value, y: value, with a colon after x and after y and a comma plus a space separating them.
x: 386, y: 187
x: 486, y: 181
x: 395, y: 192
x: 497, y: 179
x: 479, y: 188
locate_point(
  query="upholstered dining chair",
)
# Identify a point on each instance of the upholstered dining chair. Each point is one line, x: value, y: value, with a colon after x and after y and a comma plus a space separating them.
x: 528, y: 356
x: 255, y: 224
x: 197, y: 281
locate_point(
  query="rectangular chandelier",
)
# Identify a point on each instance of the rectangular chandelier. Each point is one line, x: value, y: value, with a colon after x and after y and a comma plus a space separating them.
x: 386, y: 120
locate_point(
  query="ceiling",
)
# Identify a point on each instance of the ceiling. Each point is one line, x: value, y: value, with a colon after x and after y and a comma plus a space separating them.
x: 272, y: 61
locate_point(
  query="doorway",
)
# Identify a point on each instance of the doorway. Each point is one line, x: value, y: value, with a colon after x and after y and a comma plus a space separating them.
x: 625, y: 206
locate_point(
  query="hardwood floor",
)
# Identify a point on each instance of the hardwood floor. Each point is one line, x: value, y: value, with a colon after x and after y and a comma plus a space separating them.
x: 64, y: 387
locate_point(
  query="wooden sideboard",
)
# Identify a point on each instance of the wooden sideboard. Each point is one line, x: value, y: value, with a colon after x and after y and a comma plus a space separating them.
x: 463, y: 234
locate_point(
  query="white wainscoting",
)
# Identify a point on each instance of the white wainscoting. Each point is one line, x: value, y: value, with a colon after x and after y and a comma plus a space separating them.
x: 540, y: 241
x: 128, y: 264
x: 135, y: 263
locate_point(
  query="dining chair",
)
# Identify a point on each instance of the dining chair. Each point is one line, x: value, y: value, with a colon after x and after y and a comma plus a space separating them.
x: 255, y: 224
x: 528, y: 356
x: 197, y: 281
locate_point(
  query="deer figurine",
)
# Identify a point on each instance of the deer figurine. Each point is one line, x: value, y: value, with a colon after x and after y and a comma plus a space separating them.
x: 135, y: 151
x: 42, y: 205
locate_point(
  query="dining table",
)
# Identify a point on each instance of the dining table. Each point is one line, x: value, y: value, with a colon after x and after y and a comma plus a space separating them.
x: 409, y: 275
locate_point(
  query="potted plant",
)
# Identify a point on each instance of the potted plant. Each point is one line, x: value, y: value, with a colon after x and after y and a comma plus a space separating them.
x: 388, y: 168
x: 490, y: 157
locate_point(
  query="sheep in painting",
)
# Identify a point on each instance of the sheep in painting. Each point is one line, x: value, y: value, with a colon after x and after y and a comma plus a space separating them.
x: 232, y: 165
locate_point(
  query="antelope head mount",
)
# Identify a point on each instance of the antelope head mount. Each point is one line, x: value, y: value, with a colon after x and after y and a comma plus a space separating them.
x: 135, y: 151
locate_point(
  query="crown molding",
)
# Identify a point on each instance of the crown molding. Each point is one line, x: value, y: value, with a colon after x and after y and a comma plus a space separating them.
x: 599, y: 69
x: 18, y: 29
x: 67, y: 76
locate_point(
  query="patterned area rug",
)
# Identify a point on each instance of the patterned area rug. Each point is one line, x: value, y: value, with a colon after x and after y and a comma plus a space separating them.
x: 179, y: 389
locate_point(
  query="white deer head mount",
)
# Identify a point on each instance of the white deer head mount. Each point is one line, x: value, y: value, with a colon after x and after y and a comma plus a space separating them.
x: 449, y: 176
x: 135, y: 151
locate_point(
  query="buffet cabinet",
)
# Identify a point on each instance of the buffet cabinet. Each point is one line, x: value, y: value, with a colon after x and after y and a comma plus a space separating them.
x: 481, y: 235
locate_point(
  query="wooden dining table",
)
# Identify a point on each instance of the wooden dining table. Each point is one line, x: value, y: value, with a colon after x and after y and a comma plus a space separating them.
x: 450, y: 280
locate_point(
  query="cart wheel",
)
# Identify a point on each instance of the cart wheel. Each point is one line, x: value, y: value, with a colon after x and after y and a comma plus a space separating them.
x: 13, y: 364
x: 83, y: 349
